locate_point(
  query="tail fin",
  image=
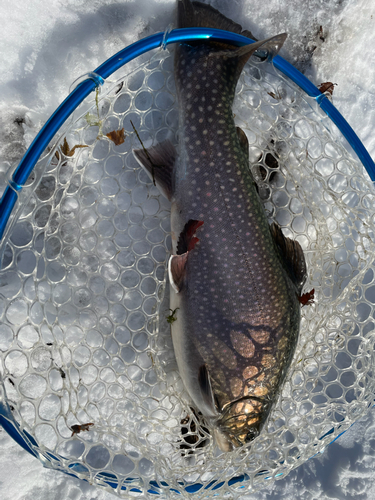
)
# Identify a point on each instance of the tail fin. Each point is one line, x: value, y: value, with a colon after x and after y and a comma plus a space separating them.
x: 267, y: 48
x: 199, y: 15
x: 233, y: 59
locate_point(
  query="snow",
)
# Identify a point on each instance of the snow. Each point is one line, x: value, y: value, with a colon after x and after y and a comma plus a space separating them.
x: 46, y: 45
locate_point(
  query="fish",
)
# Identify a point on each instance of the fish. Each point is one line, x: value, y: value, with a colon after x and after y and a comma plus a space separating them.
x: 235, y: 280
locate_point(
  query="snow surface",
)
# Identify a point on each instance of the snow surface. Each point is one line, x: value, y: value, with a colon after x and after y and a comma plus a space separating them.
x: 46, y: 45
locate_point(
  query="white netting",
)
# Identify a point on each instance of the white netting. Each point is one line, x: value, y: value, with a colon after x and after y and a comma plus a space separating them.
x: 83, y: 280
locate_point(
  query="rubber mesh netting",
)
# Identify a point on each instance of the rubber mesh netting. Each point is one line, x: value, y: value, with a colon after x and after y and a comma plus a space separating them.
x: 83, y: 287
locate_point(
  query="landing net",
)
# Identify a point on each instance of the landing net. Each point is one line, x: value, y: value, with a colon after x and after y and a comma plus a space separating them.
x: 84, y: 337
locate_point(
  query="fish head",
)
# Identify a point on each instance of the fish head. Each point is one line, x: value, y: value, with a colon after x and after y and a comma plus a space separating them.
x: 240, y: 422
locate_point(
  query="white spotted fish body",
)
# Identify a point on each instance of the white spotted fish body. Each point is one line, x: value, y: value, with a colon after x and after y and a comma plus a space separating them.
x: 236, y: 281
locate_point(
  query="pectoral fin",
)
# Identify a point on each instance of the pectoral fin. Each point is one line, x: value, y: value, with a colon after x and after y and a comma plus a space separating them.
x: 159, y: 161
x: 205, y: 385
x: 222, y: 440
x: 177, y: 263
x: 177, y: 271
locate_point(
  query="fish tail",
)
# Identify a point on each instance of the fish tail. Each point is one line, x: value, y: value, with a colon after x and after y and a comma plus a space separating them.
x: 196, y: 14
x: 199, y: 15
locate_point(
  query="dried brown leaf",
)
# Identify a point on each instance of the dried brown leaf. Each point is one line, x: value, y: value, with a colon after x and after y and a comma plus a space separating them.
x: 117, y: 136
x: 306, y: 299
x: 327, y: 87
x: 77, y: 428
x: 66, y: 151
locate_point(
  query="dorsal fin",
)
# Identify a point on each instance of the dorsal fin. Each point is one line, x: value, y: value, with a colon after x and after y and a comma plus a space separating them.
x: 292, y: 257
x: 159, y: 161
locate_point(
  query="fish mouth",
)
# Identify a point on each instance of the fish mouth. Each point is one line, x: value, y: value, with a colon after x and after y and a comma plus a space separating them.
x: 242, y: 419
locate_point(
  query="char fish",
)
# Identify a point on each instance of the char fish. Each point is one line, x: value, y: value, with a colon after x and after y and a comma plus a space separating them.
x: 236, y: 281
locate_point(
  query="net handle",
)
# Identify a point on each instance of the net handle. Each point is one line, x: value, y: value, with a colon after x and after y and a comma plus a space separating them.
x: 122, y: 57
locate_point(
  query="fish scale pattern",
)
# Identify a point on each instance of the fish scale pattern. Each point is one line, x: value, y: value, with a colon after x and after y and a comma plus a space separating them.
x: 84, y: 302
